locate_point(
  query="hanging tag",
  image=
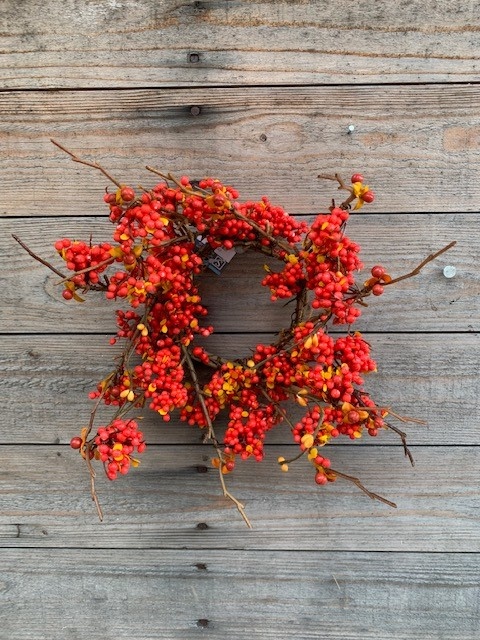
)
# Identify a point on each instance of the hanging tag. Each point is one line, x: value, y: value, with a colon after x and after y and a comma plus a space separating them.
x: 218, y: 259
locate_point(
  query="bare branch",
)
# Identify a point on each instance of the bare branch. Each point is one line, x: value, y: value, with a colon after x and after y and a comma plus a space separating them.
x: 211, y: 435
x: 417, y: 269
x: 356, y: 481
x: 403, y: 438
x: 95, y: 165
x: 38, y: 259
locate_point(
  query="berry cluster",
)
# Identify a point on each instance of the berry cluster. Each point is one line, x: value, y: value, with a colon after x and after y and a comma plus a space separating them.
x: 162, y: 241
x: 159, y: 244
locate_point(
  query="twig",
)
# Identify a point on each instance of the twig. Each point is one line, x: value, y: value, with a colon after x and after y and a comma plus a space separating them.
x: 87, y: 269
x: 198, y: 390
x: 95, y: 165
x: 279, y: 410
x: 92, y: 473
x: 88, y: 448
x: 300, y: 306
x: 421, y: 265
x: 37, y: 258
x: 211, y: 436
x: 172, y: 178
x: 404, y: 418
x: 289, y: 248
x: 342, y: 185
x: 403, y: 438
x: 356, y: 481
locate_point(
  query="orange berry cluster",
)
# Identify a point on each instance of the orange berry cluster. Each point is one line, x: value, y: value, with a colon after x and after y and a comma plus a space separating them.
x: 160, y: 245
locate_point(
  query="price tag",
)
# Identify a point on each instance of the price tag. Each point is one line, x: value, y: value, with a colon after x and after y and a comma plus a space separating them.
x: 218, y: 259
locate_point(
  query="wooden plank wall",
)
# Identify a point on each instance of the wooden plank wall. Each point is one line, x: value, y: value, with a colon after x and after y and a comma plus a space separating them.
x: 260, y: 93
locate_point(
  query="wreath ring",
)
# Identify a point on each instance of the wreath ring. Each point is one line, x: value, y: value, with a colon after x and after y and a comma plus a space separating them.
x: 163, y: 239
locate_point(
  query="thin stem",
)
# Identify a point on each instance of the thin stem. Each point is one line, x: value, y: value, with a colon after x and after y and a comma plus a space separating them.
x: 289, y: 248
x: 87, y: 269
x: 88, y: 449
x: 356, y: 481
x: 94, y: 165
x: 172, y: 178
x: 37, y: 258
x: 198, y: 390
x: 300, y: 306
x: 421, y: 265
x: 402, y: 418
x: 279, y: 409
x: 403, y: 438
x: 211, y: 436
x: 342, y: 185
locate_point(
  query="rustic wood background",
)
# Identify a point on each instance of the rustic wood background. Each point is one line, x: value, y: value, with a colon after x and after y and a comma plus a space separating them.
x: 260, y: 93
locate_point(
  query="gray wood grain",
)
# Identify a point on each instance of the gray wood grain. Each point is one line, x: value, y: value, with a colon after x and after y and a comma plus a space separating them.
x: 32, y: 300
x: 170, y: 501
x: 167, y: 595
x: 116, y: 81
x: 143, y: 43
x: 46, y: 379
x: 416, y: 144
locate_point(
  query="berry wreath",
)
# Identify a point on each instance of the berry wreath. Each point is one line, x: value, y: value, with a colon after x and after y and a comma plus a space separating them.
x: 162, y: 241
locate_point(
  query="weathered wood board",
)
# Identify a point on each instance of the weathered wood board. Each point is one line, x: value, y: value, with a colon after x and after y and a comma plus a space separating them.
x: 219, y: 594
x: 205, y: 42
x: 174, y: 502
x: 47, y: 380
x: 429, y: 302
x: 260, y: 94
x: 417, y: 144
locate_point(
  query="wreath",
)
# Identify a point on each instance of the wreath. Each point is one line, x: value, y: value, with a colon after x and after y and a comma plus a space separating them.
x: 163, y: 239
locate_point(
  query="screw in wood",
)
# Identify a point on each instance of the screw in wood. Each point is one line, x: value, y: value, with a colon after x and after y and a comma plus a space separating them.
x: 449, y: 271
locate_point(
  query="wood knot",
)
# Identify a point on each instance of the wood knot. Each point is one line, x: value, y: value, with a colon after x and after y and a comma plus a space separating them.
x: 201, y: 468
x: 203, y: 622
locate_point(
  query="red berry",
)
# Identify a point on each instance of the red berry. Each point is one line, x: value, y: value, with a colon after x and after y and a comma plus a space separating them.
x: 357, y: 177
x: 368, y: 196
x: 127, y: 194
x: 320, y: 478
x: 378, y: 271
x: 67, y: 294
x: 377, y: 289
x: 353, y: 416
x: 76, y: 442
